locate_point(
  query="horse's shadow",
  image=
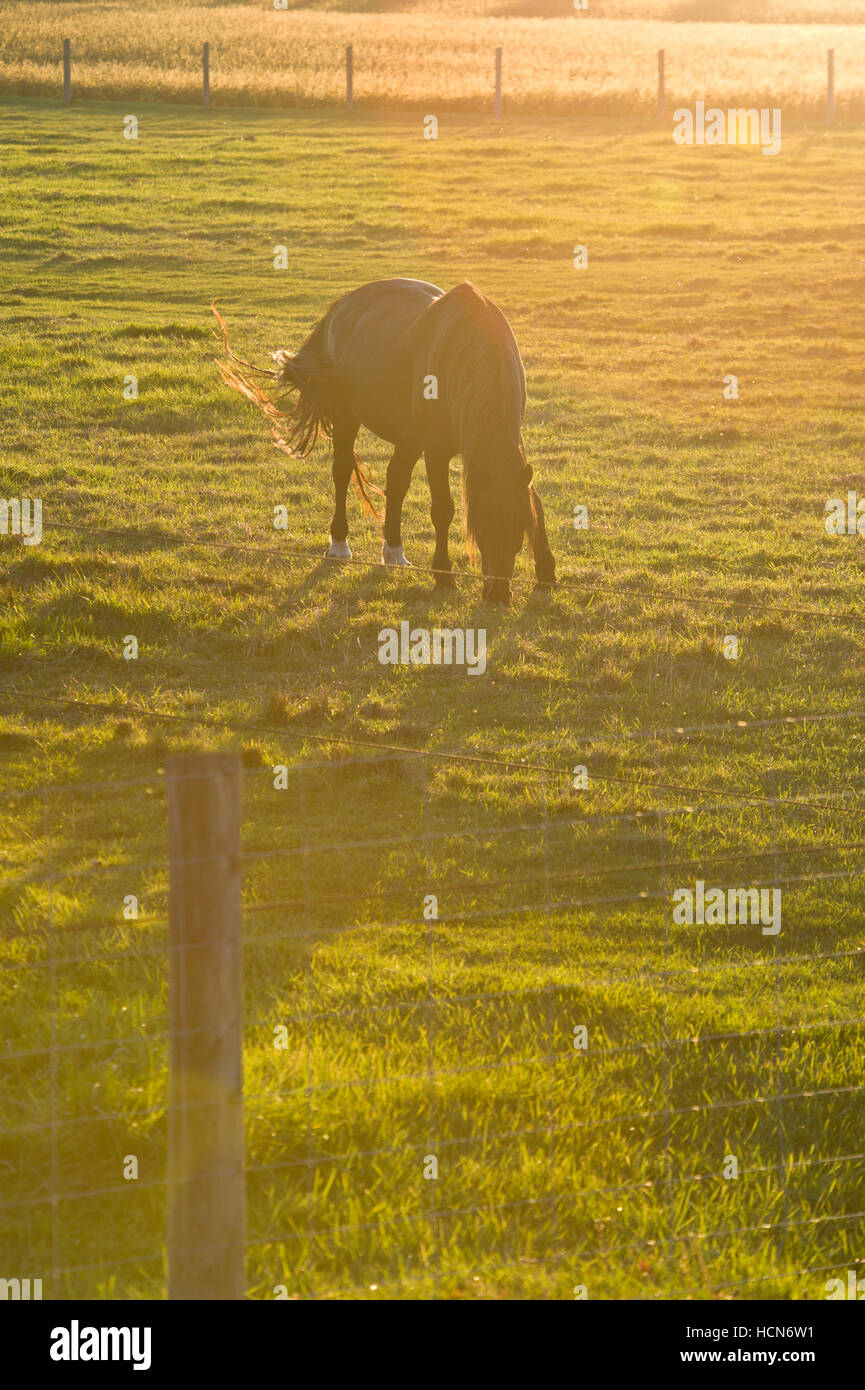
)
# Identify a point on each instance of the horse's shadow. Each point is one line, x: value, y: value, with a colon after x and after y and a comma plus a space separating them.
x: 417, y: 584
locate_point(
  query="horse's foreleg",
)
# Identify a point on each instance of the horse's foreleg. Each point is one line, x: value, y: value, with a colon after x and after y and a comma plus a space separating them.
x: 545, y: 565
x: 399, y: 472
x: 438, y: 473
x: 344, y: 435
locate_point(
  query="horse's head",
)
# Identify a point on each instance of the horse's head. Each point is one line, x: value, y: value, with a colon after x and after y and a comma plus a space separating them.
x: 499, y: 515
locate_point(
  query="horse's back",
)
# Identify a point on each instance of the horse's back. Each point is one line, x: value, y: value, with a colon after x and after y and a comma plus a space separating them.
x: 385, y: 339
x: 377, y: 313
x: 366, y: 333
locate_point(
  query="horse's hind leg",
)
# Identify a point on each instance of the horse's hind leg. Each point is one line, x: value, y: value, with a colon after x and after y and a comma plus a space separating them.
x: 438, y: 474
x: 344, y: 434
x: 545, y: 565
x: 399, y: 472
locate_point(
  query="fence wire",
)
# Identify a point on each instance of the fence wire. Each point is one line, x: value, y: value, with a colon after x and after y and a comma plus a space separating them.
x: 326, y: 1194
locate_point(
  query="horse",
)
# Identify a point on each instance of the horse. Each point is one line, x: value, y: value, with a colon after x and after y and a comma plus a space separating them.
x: 432, y: 373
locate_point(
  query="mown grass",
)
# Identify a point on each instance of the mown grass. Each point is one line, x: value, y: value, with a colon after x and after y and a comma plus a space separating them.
x: 453, y: 1038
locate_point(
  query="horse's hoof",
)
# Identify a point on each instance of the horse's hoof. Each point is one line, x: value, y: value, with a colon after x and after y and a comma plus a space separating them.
x: 496, y: 591
x: 445, y: 580
x: 394, y: 555
x: 338, y: 550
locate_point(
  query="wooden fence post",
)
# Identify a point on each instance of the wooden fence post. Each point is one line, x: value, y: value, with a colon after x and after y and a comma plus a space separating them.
x: 662, y: 96
x: 349, y: 80
x: 830, y: 86
x: 206, y: 1197
x: 497, y: 103
x: 67, y: 71
x: 206, y: 58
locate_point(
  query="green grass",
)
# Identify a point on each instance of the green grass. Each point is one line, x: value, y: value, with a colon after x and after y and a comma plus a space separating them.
x: 406, y: 1038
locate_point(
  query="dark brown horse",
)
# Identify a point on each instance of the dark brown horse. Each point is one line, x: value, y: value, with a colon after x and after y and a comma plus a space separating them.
x: 434, y: 374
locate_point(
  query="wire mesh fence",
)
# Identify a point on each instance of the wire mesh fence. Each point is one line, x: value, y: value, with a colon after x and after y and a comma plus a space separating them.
x: 483, y: 1053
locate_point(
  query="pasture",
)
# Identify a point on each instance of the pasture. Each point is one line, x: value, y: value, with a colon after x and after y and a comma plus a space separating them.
x: 455, y: 1038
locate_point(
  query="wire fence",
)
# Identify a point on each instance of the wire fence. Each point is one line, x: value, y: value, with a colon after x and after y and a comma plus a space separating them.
x: 851, y: 616
x: 481, y: 1055
x: 498, y: 86
x: 467, y: 1069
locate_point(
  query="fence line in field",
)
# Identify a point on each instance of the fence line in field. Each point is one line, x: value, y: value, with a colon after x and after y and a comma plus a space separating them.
x: 461, y: 1141
x: 408, y: 573
x: 403, y: 1077
x: 748, y: 1283
x: 579, y: 905
x: 624, y: 900
x: 195, y: 1247
x: 639, y: 1185
x: 479, y: 760
x: 807, y: 851
x: 420, y: 1218
x: 359, y: 1290
x: 497, y: 102
x: 818, y: 849
x: 283, y: 1237
x: 439, y: 1001
x: 396, y: 752
x: 470, y: 886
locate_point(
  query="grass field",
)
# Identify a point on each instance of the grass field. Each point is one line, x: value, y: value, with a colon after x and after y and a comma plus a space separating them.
x: 603, y: 60
x: 556, y: 1167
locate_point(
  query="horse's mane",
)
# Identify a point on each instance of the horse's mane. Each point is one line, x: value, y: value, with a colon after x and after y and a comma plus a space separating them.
x: 481, y: 378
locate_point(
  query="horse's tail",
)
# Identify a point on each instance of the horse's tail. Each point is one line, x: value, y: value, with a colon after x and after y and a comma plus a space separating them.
x: 309, y: 376
x: 362, y: 481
